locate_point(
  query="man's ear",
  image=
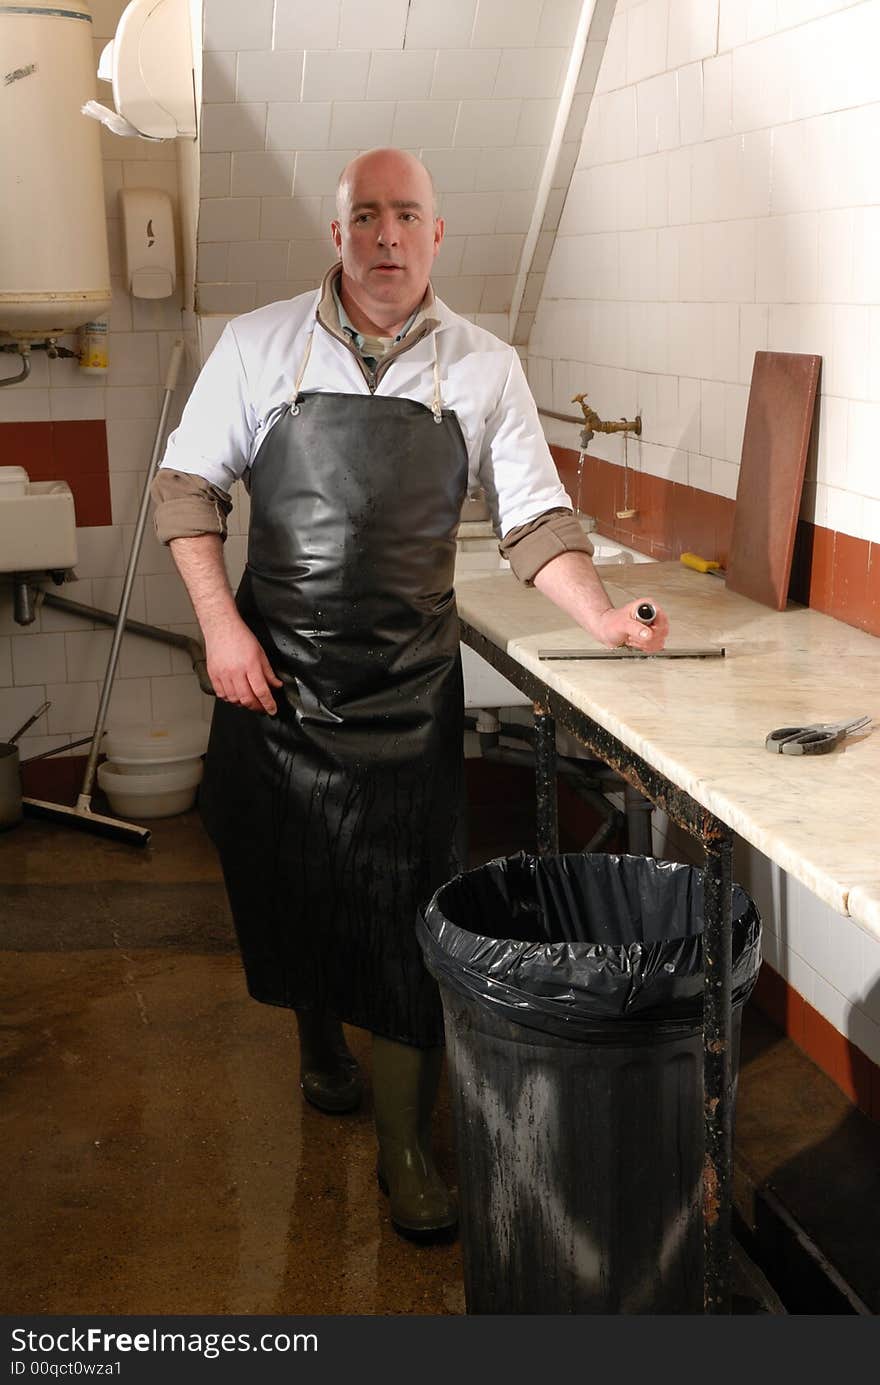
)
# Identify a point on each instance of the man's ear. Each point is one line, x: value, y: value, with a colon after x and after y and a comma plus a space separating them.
x: 439, y: 228
x: 336, y: 233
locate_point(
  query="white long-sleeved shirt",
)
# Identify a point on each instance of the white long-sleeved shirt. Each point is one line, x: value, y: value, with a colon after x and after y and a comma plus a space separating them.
x: 250, y: 377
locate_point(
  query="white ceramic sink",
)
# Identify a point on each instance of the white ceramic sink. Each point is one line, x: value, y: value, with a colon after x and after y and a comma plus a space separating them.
x: 37, y: 528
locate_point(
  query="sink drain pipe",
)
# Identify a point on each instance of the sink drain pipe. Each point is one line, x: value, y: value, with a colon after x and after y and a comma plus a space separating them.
x: 190, y: 646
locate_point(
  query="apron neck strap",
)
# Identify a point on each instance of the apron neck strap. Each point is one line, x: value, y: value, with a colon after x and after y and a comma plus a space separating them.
x: 294, y: 407
x: 305, y: 360
x: 436, y: 402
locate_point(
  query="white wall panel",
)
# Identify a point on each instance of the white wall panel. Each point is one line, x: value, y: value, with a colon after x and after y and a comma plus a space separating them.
x: 364, y: 124
x: 465, y: 73
x: 330, y: 75
x: 506, y: 23
x: 647, y: 27
x: 218, y: 77
x: 441, y: 26
x: 612, y: 68
x: 535, y: 73
x: 215, y: 174
x: 692, y: 32
x: 303, y: 24
x: 404, y: 76
x: 657, y: 114
x: 262, y: 174
x: 233, y: 127
x: 231, y: 25
x: 373, y: 23
x: 268, y: 76
x: 484, y: 123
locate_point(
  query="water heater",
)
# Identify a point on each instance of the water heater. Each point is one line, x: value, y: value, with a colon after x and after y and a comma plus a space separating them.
x: 54, y: 265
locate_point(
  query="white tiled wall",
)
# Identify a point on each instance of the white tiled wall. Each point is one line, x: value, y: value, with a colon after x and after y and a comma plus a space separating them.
x: 725, y: 200
x: 291, y: 95
x: 62, y: 657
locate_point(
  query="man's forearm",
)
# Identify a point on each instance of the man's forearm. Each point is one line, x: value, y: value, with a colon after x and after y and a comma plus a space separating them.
x: 199, y: 560
x: 237, y: 663
x: 572, y: 583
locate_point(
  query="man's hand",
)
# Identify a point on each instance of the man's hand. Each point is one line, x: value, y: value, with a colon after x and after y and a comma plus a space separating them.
x: 619, y: 626
x: 239, y: 669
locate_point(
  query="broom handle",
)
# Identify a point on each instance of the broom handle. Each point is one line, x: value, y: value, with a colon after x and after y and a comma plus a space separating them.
x: 174, y: 364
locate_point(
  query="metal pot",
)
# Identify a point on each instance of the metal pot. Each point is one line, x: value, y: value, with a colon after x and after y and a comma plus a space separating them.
x: 10, y: 786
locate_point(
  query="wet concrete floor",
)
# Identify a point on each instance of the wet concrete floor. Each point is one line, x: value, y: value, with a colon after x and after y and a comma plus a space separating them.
x: 158, y: 1157
x: 159, y: 1153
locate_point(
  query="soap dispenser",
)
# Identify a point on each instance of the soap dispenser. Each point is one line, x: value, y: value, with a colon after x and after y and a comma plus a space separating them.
x: 148, y: 242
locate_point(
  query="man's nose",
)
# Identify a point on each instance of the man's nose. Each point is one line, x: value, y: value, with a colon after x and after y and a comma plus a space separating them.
x: 388, y: 231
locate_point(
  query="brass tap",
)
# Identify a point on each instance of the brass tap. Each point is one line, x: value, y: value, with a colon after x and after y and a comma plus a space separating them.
x: 594, y: 424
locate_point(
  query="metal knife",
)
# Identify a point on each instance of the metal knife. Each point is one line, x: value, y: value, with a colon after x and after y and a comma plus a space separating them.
x: 712, y: 652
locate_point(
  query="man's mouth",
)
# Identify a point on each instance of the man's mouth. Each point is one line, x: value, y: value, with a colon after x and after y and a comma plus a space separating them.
x: 387, y: 266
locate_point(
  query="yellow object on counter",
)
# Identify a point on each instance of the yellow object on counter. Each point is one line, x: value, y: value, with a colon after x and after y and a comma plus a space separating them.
x: 699, y: 564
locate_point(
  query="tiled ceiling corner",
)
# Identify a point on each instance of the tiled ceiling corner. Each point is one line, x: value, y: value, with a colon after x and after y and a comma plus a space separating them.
x: 292, y: 90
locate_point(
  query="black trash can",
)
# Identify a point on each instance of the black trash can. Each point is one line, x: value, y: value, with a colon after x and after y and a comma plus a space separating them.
x: 572, y: 994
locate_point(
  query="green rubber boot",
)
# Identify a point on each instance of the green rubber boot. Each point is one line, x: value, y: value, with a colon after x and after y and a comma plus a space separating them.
x: 405, y: 1081
x: 329, y: 1075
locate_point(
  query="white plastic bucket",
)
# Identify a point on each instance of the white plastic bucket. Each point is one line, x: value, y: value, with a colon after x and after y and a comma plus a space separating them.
x: 155, y: 794
x: 143, y: 767
x: 161, y: 743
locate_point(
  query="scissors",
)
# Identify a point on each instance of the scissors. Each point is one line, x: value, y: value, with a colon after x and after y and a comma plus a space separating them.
x: 816, y: 738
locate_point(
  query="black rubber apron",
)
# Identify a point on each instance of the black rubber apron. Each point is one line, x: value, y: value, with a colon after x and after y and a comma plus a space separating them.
x: 335, y: 819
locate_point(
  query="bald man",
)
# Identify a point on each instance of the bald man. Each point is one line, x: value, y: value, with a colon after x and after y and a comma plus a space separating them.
x: 358, y: 417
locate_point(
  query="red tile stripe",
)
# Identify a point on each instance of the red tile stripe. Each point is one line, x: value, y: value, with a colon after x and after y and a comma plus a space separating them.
x: 75, y: 451
x: 831, y: 572
x: 857, y: 1076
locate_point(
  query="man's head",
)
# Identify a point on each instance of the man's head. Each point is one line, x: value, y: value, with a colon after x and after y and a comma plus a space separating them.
x: 386, y: 234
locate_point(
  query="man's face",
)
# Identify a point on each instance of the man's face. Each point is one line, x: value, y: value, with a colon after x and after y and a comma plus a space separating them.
x: 386, y: 234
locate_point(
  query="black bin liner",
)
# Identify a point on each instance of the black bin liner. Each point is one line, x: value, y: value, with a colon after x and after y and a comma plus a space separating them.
x: 572, y: 990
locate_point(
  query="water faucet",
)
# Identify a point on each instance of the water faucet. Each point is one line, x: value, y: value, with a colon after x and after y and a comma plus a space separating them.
x: 594, y: 424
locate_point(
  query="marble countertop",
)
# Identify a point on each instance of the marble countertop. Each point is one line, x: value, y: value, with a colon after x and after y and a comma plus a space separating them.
x: 701, y: 723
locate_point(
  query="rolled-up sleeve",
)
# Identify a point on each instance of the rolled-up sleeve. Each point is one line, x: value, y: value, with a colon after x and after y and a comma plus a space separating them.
x: 516, y: 469
x: 186, y: 505
x: 530, y: 546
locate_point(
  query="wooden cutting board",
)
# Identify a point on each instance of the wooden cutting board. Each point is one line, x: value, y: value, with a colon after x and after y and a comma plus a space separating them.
x: 782, y: 401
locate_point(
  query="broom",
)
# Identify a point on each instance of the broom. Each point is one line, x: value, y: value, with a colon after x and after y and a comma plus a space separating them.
x: 81, y: 815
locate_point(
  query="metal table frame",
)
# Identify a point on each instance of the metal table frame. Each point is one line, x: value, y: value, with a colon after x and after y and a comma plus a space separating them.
x: 550, y: 708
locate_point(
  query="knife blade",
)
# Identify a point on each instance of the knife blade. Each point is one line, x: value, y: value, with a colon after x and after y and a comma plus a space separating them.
x: 711, y: 652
